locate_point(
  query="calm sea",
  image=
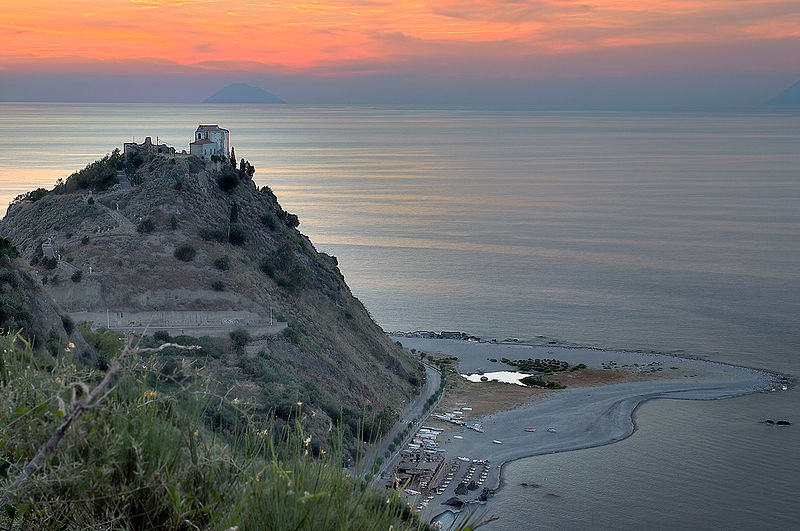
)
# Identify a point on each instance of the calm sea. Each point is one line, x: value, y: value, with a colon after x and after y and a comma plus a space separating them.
x: 674, y: 232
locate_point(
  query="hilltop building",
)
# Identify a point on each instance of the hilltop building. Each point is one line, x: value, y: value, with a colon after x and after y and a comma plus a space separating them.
x: 210, y: 140
x: 147, y: 148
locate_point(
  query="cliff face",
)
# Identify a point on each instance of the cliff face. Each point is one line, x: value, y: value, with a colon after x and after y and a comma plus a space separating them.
x: 189, y: 239
x: 28, y: 309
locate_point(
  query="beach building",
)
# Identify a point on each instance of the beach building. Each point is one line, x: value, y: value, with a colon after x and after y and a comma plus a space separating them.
x: 210, y: 140
x: 418, y: 469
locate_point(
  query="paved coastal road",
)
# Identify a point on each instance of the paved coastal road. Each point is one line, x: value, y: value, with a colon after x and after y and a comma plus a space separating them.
x: 413, y: 410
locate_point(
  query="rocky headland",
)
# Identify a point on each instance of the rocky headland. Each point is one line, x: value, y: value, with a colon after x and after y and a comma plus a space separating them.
x: 180, y: 246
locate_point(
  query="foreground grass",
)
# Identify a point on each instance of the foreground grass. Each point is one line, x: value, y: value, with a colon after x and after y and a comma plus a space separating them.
x: 147, y: 459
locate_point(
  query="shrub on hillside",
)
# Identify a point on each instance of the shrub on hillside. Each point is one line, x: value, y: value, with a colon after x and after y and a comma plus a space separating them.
x: 14, y: 316
x: 132, y: 163
x: 99, y: 175
x: 223, y: 263
x: 266, y: 190
x: 145, y: 226
x: 291, y: 220
x: 269, y: 219
x: 77, y: 276
x: 185, y: 252
x: 195, y: 164
x: 215, y: 235
x: 237, y: 234
x: 285, y: 269
x: 292, y: 332
x: 240, y: 337
x: 162, y: 336
x: 7, y: 251
x: 32, y: 196
x: 227, y: 180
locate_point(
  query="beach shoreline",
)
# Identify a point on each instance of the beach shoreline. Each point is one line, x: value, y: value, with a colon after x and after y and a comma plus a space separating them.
x: 580, y: 417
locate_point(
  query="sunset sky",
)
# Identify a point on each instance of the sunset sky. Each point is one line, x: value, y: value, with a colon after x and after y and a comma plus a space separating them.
x: 338, y: 43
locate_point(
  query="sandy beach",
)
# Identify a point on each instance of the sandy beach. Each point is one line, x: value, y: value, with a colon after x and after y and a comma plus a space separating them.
x: 579, y: 416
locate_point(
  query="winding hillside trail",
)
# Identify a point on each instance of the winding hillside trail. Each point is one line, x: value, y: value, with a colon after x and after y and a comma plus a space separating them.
x: 123, y: 223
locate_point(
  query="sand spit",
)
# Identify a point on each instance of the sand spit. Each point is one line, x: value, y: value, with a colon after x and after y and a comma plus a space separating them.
x: 580, y: 417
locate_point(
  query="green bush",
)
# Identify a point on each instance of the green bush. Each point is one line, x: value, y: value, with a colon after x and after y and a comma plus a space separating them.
x: 223, y: 263
x: 185, y: 252
x: 237, y: 234
x: 32, y: 196
x: 266, y: 190
x: 268, y: 268
x: 162, y: 336
x: 535, y: 381
x: 218, y: 285
x: 99, y: 175
x: 216, y: 235
x: 77, y: 276
x: 269, y: 219
x: 107, y: 343
x: 285, y: 269
x: 145, y: 226
x: 240, y: 337
x: 228, y: 180
x: 13, y: 316
x: 291, y: 220
x: 292, y: 332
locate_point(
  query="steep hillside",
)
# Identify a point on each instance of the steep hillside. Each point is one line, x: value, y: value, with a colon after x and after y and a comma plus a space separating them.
x: 196, y: 241
x: 25, y: 307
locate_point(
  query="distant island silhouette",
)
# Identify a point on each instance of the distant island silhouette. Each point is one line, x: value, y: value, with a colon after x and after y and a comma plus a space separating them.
x: 243, y: 93
x: 790, y: 96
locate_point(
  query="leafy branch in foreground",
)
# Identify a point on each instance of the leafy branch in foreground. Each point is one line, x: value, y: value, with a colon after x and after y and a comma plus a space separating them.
x: 93, y: 400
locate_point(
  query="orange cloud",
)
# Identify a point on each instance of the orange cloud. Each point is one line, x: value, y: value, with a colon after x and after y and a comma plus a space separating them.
x: 322, y: 36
